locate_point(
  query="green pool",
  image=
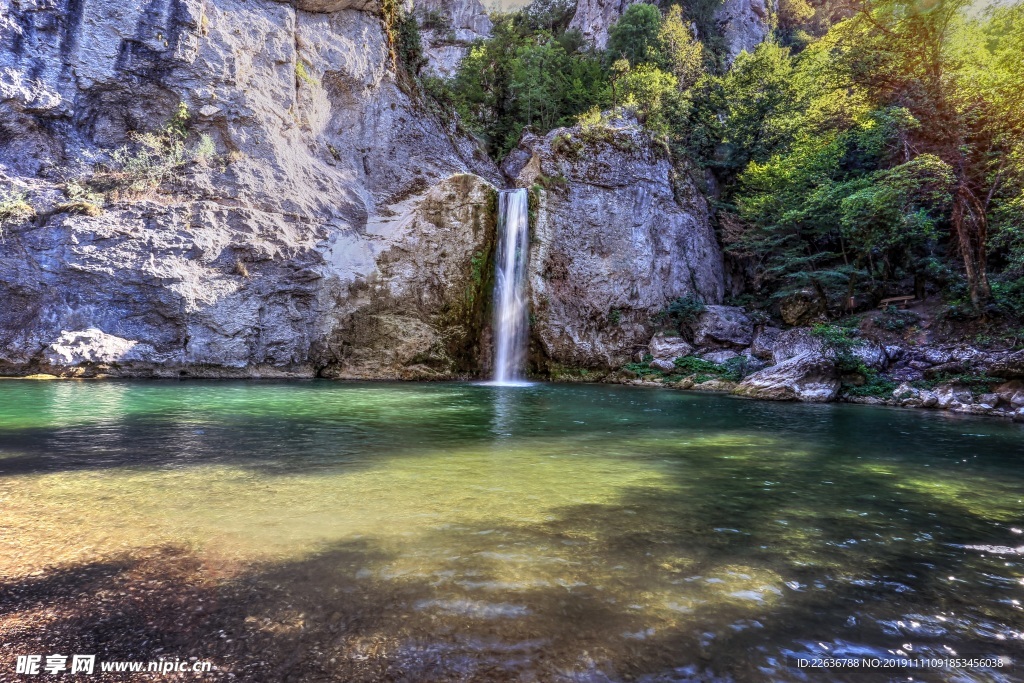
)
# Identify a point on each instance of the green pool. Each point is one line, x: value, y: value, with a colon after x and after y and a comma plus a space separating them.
x: 541, y: 533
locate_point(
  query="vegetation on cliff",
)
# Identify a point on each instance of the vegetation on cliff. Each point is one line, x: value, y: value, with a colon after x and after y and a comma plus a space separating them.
x: 864, y: 151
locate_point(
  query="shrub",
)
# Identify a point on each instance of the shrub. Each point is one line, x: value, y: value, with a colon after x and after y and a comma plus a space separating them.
x: 81, y: 200
x: 896, y: 320
x: 679, y: 313
x: 874, y: 385
x: 14, y: 209
x: 732, y: 370
x: 151, y: 160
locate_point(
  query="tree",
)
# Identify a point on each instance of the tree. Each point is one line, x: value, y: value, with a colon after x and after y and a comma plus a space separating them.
x: 677, y: 51
x: 634, y: 37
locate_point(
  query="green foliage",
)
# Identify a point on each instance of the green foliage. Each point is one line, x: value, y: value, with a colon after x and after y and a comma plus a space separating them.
x: 525, y: 76
x: 733, y: 370
x: 151, y: 160
x: 14, y: 208
x: 840, y: 342
x: 679, y: 313
x: 302, y: 74
x: 896, y: 320
x: 635, y: 36
x: 81, y: 199
x: 643, y: 369
x: 874, y: 385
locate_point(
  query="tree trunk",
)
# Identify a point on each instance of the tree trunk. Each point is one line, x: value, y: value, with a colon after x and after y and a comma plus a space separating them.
x: 971, y: 228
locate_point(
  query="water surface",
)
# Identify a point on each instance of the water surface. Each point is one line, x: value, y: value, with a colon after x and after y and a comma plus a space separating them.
x: 548, y: 533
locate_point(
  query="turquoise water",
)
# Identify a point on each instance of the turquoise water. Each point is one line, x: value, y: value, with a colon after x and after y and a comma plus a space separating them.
x: 550, y: 532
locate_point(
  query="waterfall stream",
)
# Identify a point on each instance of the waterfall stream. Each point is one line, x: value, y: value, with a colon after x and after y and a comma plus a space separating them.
x: 510, y: 323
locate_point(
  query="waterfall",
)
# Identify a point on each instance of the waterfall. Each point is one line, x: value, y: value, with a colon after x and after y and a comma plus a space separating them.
x: 510, y: 321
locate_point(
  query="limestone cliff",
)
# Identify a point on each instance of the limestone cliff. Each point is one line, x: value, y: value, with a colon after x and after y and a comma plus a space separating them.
x: 617, y: 234
x: 448, y: 28
x: 744, y: 24
x: 593, y: 18
x: 319, y: 220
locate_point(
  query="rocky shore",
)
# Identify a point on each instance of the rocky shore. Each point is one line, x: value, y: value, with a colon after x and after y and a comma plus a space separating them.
x: 723, y: 349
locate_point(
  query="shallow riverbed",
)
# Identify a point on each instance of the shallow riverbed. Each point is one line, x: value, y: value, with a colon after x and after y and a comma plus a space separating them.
x: 337, y: 531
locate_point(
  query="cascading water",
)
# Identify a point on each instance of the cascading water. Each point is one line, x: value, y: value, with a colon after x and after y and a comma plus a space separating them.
x: 510, y: 323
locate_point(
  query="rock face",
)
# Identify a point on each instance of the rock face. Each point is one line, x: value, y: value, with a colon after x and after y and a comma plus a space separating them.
x: 723, y: 326
x: 616, y: 236
x: 447, y: 28
x: 807, y: 377
x: 334, y: 228
x: 593, y: 18
x: 744, y: 25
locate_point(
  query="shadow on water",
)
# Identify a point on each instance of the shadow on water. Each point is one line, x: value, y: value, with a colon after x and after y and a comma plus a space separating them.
x: 773, y: 532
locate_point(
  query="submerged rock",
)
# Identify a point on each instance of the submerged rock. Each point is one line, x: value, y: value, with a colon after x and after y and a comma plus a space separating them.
x: 806, y: 377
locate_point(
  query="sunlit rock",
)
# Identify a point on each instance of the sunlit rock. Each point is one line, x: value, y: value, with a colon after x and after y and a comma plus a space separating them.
x: 806, y: 377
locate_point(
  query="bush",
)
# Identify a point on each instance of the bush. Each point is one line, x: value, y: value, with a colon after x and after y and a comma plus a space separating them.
x: 679, y: 313
x: 152, y: 160
x: 874, y: 385
x: 896, y: 320
x: 732, y: 370
x: 14, y: 209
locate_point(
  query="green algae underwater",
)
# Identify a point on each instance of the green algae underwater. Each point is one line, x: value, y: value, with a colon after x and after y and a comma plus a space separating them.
x: 538, y: 533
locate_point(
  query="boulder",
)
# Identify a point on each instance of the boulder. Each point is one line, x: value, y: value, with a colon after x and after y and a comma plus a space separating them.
x: 949, y: 396
x: 723, y: 325
x: 808, y: 377
x: 988, y: 401
x: 1012, y: 393
x: 753, y: 363
x: 764, y: 342
x: 872, y: 354
x: 906, y: 374
x: 796, y: 342
x: 663, y: 364
x: 668, y: 348
x: 720, y: 357
x: 1010, y: 366
x: 951, y: 368
x: 800, y: 308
